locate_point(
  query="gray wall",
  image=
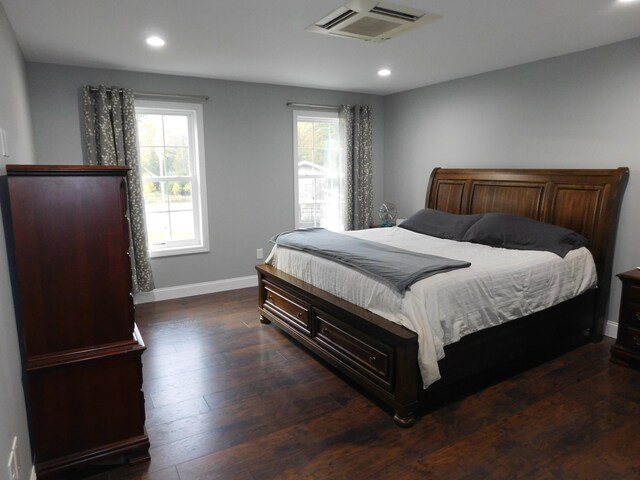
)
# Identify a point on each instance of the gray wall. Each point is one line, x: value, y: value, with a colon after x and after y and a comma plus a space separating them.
x: 575, y: 111
x: 14, y: 118
x: 248, y: 147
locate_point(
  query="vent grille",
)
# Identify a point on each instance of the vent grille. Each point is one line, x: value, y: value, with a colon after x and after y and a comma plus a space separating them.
x: 339, y: 19
x: 395, y: 14
x: 371, y: 20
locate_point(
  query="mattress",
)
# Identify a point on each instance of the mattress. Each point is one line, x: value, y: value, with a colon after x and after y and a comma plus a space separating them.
x: 499, y: 286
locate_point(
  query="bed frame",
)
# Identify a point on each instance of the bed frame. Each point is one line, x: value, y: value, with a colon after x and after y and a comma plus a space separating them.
x: 381, y: 356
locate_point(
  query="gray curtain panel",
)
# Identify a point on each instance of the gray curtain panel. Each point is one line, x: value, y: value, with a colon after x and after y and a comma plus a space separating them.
x: 355, y: 123
x: 111, y: 139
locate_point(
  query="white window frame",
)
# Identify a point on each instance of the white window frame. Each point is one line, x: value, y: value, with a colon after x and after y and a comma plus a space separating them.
x: 193, y: 111
x: 297, y: 114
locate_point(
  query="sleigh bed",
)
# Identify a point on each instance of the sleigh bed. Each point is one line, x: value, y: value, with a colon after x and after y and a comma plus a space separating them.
x: 382, y: 356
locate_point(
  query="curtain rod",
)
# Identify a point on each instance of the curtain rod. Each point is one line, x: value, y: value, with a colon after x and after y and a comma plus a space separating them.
x: 166, y: 95
x: 313, y: 105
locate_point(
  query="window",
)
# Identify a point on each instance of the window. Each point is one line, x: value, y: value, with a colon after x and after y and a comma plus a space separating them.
x: 320, y: 173
x: 171, y: 147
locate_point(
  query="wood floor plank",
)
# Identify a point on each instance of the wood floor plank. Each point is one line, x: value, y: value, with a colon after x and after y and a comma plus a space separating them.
x: 230, y: 398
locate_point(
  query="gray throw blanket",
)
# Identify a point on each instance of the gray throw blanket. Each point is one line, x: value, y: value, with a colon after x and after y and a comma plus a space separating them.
x: 393, y: 266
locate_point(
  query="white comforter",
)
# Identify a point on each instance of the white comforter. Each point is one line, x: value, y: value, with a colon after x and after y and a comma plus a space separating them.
x: 500, y: 285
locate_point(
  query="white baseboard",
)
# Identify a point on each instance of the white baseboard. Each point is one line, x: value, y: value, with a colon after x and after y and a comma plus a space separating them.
x: 193, y: 289
x: 611, y: 329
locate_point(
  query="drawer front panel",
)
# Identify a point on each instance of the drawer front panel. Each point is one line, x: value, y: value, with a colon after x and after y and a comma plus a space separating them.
x: 632, y: 292
x: 368, y: 356
x: 631, y: 312
x: 629, y: 338
x: 287, y: 307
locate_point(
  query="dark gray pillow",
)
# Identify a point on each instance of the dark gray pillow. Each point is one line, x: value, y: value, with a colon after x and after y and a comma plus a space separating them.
x: 439, y: 224
x: 521, y: 233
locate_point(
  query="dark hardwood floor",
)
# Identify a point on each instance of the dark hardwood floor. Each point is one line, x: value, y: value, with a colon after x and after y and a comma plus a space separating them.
x: 230, y: 398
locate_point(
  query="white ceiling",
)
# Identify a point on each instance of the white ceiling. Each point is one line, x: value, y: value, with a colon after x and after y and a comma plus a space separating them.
x: 265, y: 41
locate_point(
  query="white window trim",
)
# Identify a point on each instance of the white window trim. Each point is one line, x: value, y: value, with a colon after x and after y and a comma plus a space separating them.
x: 197, y: 150
x: 297, y: 114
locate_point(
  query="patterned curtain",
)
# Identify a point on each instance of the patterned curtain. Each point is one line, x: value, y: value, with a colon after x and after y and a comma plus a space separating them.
x: 355, y: 123
x: 111, y: 139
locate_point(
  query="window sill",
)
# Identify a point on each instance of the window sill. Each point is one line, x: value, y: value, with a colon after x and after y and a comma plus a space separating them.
x: 174, y: 252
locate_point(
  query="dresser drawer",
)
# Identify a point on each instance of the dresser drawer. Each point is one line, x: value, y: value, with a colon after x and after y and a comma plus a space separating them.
x: 629, y: 338
x: 632, y: 292
x: 364, y: 354
x: 630, y: 314
x: 288, y: 307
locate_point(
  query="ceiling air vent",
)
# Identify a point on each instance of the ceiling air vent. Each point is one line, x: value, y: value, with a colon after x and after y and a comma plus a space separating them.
x: 333, y: 20
x: 371, y: 20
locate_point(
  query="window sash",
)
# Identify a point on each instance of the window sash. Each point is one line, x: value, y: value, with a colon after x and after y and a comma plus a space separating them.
x: 317, y: 117
x: 193, y: 113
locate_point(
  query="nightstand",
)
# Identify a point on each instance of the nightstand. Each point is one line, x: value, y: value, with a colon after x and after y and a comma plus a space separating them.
x: 626, y: 350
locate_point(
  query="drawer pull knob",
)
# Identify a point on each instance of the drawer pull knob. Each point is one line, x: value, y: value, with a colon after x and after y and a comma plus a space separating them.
x: 636, y: 340
x: 372, y: 359
x: 269, y: 297
x: 324, y: 330
x: 299, y: 314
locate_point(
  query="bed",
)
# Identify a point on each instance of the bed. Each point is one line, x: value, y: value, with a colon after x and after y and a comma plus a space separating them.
x: 382, y: 356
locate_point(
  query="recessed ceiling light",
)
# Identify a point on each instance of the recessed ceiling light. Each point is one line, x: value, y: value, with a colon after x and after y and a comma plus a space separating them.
x: 384, y: 72
x: 155, y: 41
x: 627, y: 1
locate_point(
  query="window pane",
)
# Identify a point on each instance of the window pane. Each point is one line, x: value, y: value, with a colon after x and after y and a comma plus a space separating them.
x: 182, y: 225
x: 305, y: 134
x: 320, y: 171
x: 306, y: 190
x: 333, y: 130
x: 335, y: 161
x: 150, y: 161
x: 150, y: 130
x: 176, y: 162
x: 321, y: 135
x: 179, y: 196
x: 305, y: 155
x: 176, y: 130
x: 321, y: 157
x: 155, y: 197
x: 157, y: 227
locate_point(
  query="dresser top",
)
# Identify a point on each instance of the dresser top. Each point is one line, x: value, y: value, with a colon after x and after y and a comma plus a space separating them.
x: 631, y: 275
x: 66, y: 170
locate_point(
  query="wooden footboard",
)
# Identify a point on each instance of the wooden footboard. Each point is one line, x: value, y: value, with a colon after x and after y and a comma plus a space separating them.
x: 377, y: 354
x: 382, y: 356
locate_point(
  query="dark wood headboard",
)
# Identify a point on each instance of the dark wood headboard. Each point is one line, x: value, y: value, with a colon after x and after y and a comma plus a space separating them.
x: 586, y: 201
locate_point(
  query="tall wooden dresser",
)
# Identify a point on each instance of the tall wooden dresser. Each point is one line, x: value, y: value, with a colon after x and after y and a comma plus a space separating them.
x: 68, y: 238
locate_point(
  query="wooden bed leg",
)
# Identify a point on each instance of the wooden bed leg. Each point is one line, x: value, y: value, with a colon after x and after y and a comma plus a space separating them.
x: 404, y: 421
x: 266, y: 321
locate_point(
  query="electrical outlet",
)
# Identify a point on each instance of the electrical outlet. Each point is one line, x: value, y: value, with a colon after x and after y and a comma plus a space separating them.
x: 259, y: 253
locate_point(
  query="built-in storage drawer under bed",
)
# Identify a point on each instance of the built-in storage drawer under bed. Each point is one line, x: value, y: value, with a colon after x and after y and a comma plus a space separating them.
x: 288, y: 307
x: 350, y: 347
x: 370, y: 357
